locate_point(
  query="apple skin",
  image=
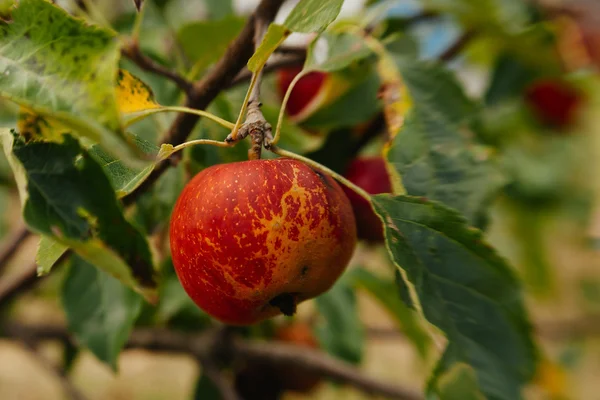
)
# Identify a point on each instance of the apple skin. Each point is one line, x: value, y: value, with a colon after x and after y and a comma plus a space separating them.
x: 252, y: 239
x: 370, y: 174
x: 293, y: 378
x: 307, y: 95
x: 553, y: 102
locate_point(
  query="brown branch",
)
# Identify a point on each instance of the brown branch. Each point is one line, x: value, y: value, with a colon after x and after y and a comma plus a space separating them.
x: 11, y: 245
x: 454, y: 50
x: 208, y: 88
x: 209, y: 344
x: 319, y: 363
x: 10, y: 288
x: 132, y: 51
x: 277, y: 62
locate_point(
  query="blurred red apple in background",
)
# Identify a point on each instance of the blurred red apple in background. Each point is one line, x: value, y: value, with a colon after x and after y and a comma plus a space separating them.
x: 370, y: 174
x: 554, y: 102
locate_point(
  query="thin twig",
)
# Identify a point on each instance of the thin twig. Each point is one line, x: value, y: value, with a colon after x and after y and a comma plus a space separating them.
x: 255, y: 124
x: 11, y: 245
x: 454, y: 50
x: 207, y: 89
x: 204, y: 345
x: 276, y: 63
x: 132, y: 51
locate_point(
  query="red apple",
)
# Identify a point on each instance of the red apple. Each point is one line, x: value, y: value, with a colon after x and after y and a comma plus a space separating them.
x: 370, y: 174
x: 252, y: 239
x: 307, y: 95
x: 554, y: 102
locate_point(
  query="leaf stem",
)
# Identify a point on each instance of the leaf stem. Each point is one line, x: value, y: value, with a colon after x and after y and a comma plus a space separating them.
x: 137, y: 26
x: 166, y: 149
x: 316, y: 165
x: 145, y: 113
x: 284, y: 104
x: 238, y: 123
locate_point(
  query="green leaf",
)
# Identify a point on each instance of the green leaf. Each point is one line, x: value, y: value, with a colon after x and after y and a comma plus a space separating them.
x: 154, y: 208
x: 48, y: 253
x: 351, y: 108
x: 66, y: 196
x: 123, y: 178
x: 275, y: 35
x: 433, y: 152
x: 219, y: 8
x: 465, y: 289
x: 313, y: 15
x: 386, y: 293
x: 308, y: 16
x: 341, y: 332
x: 100, y: 310
x: 58, y: 66
x: 204, y: 42
x: 459, y: 383
x: 335, y: 51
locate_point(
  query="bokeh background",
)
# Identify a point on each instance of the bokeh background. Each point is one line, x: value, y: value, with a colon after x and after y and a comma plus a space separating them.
x: 546, y: 220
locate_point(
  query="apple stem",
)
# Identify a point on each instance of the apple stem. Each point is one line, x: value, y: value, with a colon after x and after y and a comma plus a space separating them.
x: 145, y: 113
x: 316, y: 165
x: 286, y: 97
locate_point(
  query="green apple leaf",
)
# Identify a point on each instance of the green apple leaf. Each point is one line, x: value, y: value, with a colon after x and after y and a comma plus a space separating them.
x: 100, y: 310
x: 350, y: 109
x: 48, y: 253
x: 340, y: 332
x: 308, y: 16
x: 386, y: 293
x: 66, y: 195
x: 313, y: 15
x: 275, y: 35
x: 200, y: 43
x: 334, y: 51
x: 434, y: 153
x: 465, y: 289
x: 58, y: 66
x: 124, y: 178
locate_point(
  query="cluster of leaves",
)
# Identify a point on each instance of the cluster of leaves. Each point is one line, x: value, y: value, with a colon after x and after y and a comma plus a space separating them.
x: 75, y: 153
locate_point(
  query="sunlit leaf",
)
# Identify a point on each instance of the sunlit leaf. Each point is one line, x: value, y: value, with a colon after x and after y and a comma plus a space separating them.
x: 313, y: 15
x: 59, y: 67
x: 48, y: 253
x: 133, y: 94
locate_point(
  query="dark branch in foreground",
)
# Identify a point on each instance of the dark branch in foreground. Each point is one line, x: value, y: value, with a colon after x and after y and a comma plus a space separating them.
x: 208, y: 88
x: 132, y: 51
x: 210, y: 343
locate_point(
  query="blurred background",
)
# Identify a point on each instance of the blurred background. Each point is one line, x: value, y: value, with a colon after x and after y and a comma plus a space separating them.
x: 530, y: 66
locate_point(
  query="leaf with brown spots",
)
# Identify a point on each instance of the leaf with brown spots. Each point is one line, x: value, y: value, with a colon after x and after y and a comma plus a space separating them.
x: 58, y: 66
